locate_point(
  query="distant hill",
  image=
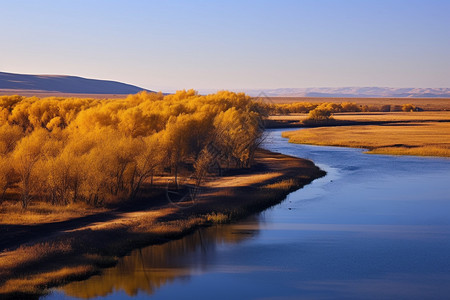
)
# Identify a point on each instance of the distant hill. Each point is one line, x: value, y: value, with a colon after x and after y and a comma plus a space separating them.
x: 354, y: 92
x: 42, y: 84
x: 62, y: 85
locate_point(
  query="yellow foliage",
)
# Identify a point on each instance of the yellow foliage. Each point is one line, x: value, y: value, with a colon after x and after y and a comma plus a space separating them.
x: 65, y: 150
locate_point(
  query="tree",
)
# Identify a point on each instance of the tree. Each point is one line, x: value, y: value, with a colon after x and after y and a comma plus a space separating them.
x: 9, y: 136
x: 66, y: 150
x: 237, y: 135
x: 6, y: 175
x: 25, y: 157
x: 149, y: 160
x: 176, y: 140
x: 62, y: 178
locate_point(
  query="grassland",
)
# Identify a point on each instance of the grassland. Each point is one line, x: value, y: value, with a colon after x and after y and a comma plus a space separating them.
x: 397, y: 133
x: 428, y: 104
x: 368, y: 117
x: 74, y: 244
x: 359, y: 118
x: 41, y: 212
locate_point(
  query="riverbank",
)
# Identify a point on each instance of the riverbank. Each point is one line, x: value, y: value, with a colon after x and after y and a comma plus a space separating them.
x: 60, y: 253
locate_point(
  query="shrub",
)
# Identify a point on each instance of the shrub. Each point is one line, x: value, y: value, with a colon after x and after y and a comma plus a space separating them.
x: 408, y: 107
x: 318, y: 115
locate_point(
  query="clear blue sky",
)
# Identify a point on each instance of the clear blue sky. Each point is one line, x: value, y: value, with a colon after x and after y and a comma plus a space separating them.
x: 167, y: 45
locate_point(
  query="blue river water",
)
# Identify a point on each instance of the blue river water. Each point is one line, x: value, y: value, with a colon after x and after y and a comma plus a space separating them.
x: 375, y: 227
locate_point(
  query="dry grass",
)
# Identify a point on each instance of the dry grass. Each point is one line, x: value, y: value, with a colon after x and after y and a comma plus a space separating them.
x: 418, y: 151
x: 285, y: 184
x: 424, y: 139
x: 424, y: 103
x: 242, y: 180
x: 32, y: 284
x: 42, y: 212
x: 394, y: 116
x: 218, y: 218
x: 30, y: 270
x: 25, y: 254
x: 376, y: 116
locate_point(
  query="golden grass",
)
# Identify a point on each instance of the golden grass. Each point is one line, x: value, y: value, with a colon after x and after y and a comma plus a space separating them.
x: 376, y: 116
x: 394, y: 116
x: 424, y: 103
x: 418, y: 151
x: 285, y: 184
x: 31, y: 270
x: 424, y: 139
x: 43, y: 212
x: 218, y: 218
x: 24, y: 254
x: 242, y: 180
x: 34, y: 283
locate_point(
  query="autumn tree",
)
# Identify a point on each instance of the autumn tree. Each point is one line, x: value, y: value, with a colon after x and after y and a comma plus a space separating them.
x: 64, y: 150
x: 25, y: 157
x: 6, y: 175
x: 176, y: 143
x: 149, y: 160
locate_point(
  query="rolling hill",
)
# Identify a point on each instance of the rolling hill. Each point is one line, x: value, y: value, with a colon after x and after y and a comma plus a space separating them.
x: 61, y: 84
x: 354, y: 92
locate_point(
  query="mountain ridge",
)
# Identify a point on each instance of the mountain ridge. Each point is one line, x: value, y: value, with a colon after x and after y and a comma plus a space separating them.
x: 65, y: 84
x: 353, y: 92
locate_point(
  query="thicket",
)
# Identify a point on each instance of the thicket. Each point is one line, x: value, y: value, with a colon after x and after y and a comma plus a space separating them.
x: 64, y: 150
x: 307, y: 107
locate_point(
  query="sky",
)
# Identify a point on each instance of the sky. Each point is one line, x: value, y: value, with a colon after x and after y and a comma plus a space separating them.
x: 172, y: 45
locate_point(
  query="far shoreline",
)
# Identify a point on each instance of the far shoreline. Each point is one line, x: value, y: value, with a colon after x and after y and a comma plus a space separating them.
x: 368, y: 138
x: 424, y: 134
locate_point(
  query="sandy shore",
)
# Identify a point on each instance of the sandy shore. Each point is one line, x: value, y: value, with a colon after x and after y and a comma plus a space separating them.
x: 38, y: 257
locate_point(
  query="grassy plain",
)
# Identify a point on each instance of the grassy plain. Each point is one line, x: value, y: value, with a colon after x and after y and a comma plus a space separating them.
x: 377, y: 116
x: 424, y: 103
x: 397, y: 133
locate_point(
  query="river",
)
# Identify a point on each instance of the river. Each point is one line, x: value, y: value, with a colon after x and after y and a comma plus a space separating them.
x: 376, y: 227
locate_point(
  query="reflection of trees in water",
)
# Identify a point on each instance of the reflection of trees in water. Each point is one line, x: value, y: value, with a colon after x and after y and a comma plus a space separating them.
x: 149, y: 268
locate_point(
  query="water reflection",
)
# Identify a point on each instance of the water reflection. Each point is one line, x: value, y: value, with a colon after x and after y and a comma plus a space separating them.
x: 147, y: 269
